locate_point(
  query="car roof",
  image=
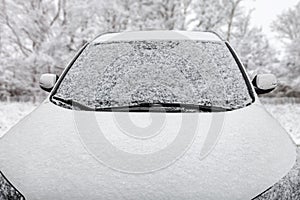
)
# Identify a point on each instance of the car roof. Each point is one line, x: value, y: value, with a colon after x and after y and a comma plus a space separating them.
x: 157, y: 35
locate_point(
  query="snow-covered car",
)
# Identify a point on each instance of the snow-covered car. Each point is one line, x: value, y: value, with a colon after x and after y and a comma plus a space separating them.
x: 148, y: 115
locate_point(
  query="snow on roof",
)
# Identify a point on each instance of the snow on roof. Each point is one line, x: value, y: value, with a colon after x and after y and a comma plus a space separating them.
x: 157, y: 35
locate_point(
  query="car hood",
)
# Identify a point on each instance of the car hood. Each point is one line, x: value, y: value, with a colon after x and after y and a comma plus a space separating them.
x: 56, y: 153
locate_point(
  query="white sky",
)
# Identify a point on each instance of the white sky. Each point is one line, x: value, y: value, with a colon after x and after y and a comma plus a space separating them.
x: 266, y: 11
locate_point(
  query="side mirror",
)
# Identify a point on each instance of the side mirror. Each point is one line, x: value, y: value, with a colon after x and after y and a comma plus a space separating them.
x: 264, y: 83
x: 47, y: 81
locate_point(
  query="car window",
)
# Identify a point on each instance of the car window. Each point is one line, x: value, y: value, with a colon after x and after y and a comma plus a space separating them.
x: 124, y: 73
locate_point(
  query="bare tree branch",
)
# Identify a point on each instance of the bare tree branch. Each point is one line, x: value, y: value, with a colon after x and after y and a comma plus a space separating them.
x: 234, y: 5
x: 22, y: 48
x: 57, y: 13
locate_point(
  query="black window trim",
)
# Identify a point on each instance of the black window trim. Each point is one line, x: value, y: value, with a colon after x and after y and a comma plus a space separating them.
x: 66, y: 70
x: 233, y: 53
x: 243, y: 71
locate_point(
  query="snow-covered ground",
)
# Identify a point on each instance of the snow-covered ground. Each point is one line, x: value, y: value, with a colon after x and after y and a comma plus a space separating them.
x: 287, y: 114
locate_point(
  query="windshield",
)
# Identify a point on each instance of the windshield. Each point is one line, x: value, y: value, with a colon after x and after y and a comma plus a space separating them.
x: 126, y: 73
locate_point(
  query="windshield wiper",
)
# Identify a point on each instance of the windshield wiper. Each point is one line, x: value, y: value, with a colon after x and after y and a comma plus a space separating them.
x: 72, y: 103
x: 169, y: 107
x: 144, y: 107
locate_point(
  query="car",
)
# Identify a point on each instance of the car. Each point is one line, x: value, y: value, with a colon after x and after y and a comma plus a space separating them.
x: 148, y: 115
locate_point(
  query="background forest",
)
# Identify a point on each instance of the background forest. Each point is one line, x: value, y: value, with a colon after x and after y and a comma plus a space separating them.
x: 39, y: 36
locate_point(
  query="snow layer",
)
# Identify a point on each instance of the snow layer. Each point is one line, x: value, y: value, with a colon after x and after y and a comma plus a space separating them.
x: 58, y: 152
x: 119, y: 73
x: 287, y: 114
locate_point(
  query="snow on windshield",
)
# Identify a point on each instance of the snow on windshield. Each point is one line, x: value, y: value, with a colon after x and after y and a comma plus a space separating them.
x: 126, y: 72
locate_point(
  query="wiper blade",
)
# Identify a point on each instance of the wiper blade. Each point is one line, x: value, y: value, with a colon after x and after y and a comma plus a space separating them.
x: 144, y: 106
x: 204, y: 108
x: 140, y: 106
x: 72, y: 103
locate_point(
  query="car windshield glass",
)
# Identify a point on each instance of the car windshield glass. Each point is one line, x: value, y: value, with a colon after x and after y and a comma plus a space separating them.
x: 128, y: 73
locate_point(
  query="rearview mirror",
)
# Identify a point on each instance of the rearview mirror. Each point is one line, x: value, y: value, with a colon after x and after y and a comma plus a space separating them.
x: 47, y: 81
x: 264, y: 83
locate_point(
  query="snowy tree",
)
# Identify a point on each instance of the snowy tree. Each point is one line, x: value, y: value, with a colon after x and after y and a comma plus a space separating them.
x: 41, y: 36
x: 220, y: 16
x: 146, y: 14
x: 257, y: 55
x: 204, y: 16
x: 287, y: 27
x: 233, y: 10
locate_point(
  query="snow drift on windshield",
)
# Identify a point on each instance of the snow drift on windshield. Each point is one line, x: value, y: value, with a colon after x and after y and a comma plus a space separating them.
x: 126, y: 72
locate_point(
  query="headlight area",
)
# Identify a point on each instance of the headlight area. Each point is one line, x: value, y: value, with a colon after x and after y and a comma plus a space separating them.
x: 285, y: 188
x: 8, y: 191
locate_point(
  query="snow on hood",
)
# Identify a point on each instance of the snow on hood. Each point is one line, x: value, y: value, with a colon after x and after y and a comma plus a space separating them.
x: 46, y: 156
